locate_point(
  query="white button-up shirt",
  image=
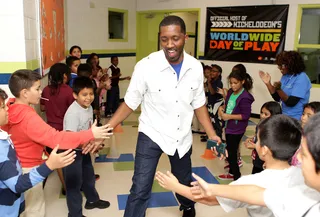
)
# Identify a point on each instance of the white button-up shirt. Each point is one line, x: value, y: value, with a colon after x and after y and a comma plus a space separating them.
x: 167, y: 104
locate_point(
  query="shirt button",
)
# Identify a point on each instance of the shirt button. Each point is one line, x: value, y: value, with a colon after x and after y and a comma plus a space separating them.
x: 178, y: 115
x: 159, y: 90
x: 177, y: 140
x: 178, y: 128
x: 177, y: 101
x: 176, y: 86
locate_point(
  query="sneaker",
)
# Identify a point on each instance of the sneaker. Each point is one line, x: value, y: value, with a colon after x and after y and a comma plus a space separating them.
x: 189, y: 212
x: 240, y: 164
x: 100, y: 204
x: 97, y: 176
x: 227, y: 176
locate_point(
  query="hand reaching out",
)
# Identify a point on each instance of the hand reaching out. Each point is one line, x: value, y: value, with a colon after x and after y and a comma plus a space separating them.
x: 101, y: 132
x: 201, y: 191
x: 167, y: 181
x: 60, y: 160
x: 249, y: 144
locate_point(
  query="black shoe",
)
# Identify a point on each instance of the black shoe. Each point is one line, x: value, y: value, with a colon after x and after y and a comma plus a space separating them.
x: 203, y: 136
x: 100, y: 204
x: 204, y: 140
x: 189, y: 212
x: 63, y: 192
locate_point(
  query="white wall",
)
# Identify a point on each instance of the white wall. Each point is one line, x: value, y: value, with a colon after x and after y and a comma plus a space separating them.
x: 87, y: 26
x: 259, y: 91
x: 31, y: 29
x: 12, y: 41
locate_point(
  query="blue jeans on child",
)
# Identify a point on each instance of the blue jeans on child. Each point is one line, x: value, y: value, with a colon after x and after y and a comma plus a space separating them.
x: 79, y: 174
x: 146, y: 161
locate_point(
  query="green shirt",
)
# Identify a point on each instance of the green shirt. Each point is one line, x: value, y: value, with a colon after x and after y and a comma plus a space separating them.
x: 232, y: 102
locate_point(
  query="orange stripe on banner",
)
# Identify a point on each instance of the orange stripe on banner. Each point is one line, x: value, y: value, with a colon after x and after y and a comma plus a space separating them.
x: 244, y: 30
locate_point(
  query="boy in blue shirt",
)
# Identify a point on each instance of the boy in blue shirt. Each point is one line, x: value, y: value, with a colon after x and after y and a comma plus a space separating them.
x: 12, y: 182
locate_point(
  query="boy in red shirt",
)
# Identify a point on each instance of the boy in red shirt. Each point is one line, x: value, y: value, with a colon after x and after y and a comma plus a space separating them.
x: 30, y: 134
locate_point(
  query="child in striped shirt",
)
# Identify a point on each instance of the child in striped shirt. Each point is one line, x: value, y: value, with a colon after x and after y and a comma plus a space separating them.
x: 12, y: 182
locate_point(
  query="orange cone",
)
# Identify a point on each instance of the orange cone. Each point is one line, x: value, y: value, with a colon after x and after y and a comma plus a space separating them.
x: 118, y: 129
x: 208, y: 155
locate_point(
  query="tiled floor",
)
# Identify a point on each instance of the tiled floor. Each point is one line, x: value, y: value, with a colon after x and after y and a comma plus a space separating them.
x: 115, y: 166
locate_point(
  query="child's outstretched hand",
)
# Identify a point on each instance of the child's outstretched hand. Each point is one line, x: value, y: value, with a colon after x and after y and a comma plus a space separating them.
x: 101, y: 132
x: 60, y: 160
x: 201, y: 191
x: 167, y: 181
x: 249, y: 143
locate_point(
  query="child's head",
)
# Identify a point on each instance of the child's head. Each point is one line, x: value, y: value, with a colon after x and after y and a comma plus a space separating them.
x: 85, y: 70
x: 309, y: 110
x: 75, y: 51
x: 24, y: 84
x: 83, y: 91
x: 279, y: 137
x: 3, y: 108
x: 115, y: 60
x: 240, y: 67
x: 73, y: 63
x: 207, y: 71
x: 240, y: 79
x: 310, y: 152
x: 216, y: 71
x: 270, y: 108
x: 93, y: 60
x: 59, y: 74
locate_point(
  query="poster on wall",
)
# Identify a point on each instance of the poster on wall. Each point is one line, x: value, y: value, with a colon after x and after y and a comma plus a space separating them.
x: 52, y: 33
x: 246, y: 34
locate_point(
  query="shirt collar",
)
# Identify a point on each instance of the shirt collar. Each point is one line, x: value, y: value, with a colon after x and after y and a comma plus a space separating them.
x: 164, y: 64
x: 4, y: 135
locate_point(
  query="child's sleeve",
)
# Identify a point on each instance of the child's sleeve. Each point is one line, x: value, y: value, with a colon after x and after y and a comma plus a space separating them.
x: 40, y: 132
x: 229, y: 205
x: 71, y: 122
x: 9, y: 175
x: 245, y: 108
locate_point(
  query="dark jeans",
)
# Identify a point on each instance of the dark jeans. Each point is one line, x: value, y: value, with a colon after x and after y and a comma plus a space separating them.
x: 113, y: 98
x: 256, y: 170
x: 233, y: 141
x: 79, y: 174
x: 146, y: 161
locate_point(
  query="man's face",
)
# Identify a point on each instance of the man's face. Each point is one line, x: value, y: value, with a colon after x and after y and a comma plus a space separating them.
x: 172, y: 41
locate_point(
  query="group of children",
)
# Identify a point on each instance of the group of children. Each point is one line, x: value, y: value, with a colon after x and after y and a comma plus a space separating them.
x: 100, y: 76
x: 281, y: 144
x: 24, y: 136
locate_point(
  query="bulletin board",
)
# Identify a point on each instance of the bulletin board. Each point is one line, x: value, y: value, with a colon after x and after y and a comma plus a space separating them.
x: 52, y: 33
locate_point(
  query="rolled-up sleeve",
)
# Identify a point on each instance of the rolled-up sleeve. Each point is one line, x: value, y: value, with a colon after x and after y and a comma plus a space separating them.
x: 137, y: 87
x: 199, y: 98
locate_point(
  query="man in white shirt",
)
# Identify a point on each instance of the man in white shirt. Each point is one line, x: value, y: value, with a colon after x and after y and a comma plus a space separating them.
x: 169, y: 86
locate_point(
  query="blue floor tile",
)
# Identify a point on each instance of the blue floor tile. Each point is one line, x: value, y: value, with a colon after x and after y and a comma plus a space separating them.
x: 205, y: 174
x: 159, y: 199
x: 123, y: 158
